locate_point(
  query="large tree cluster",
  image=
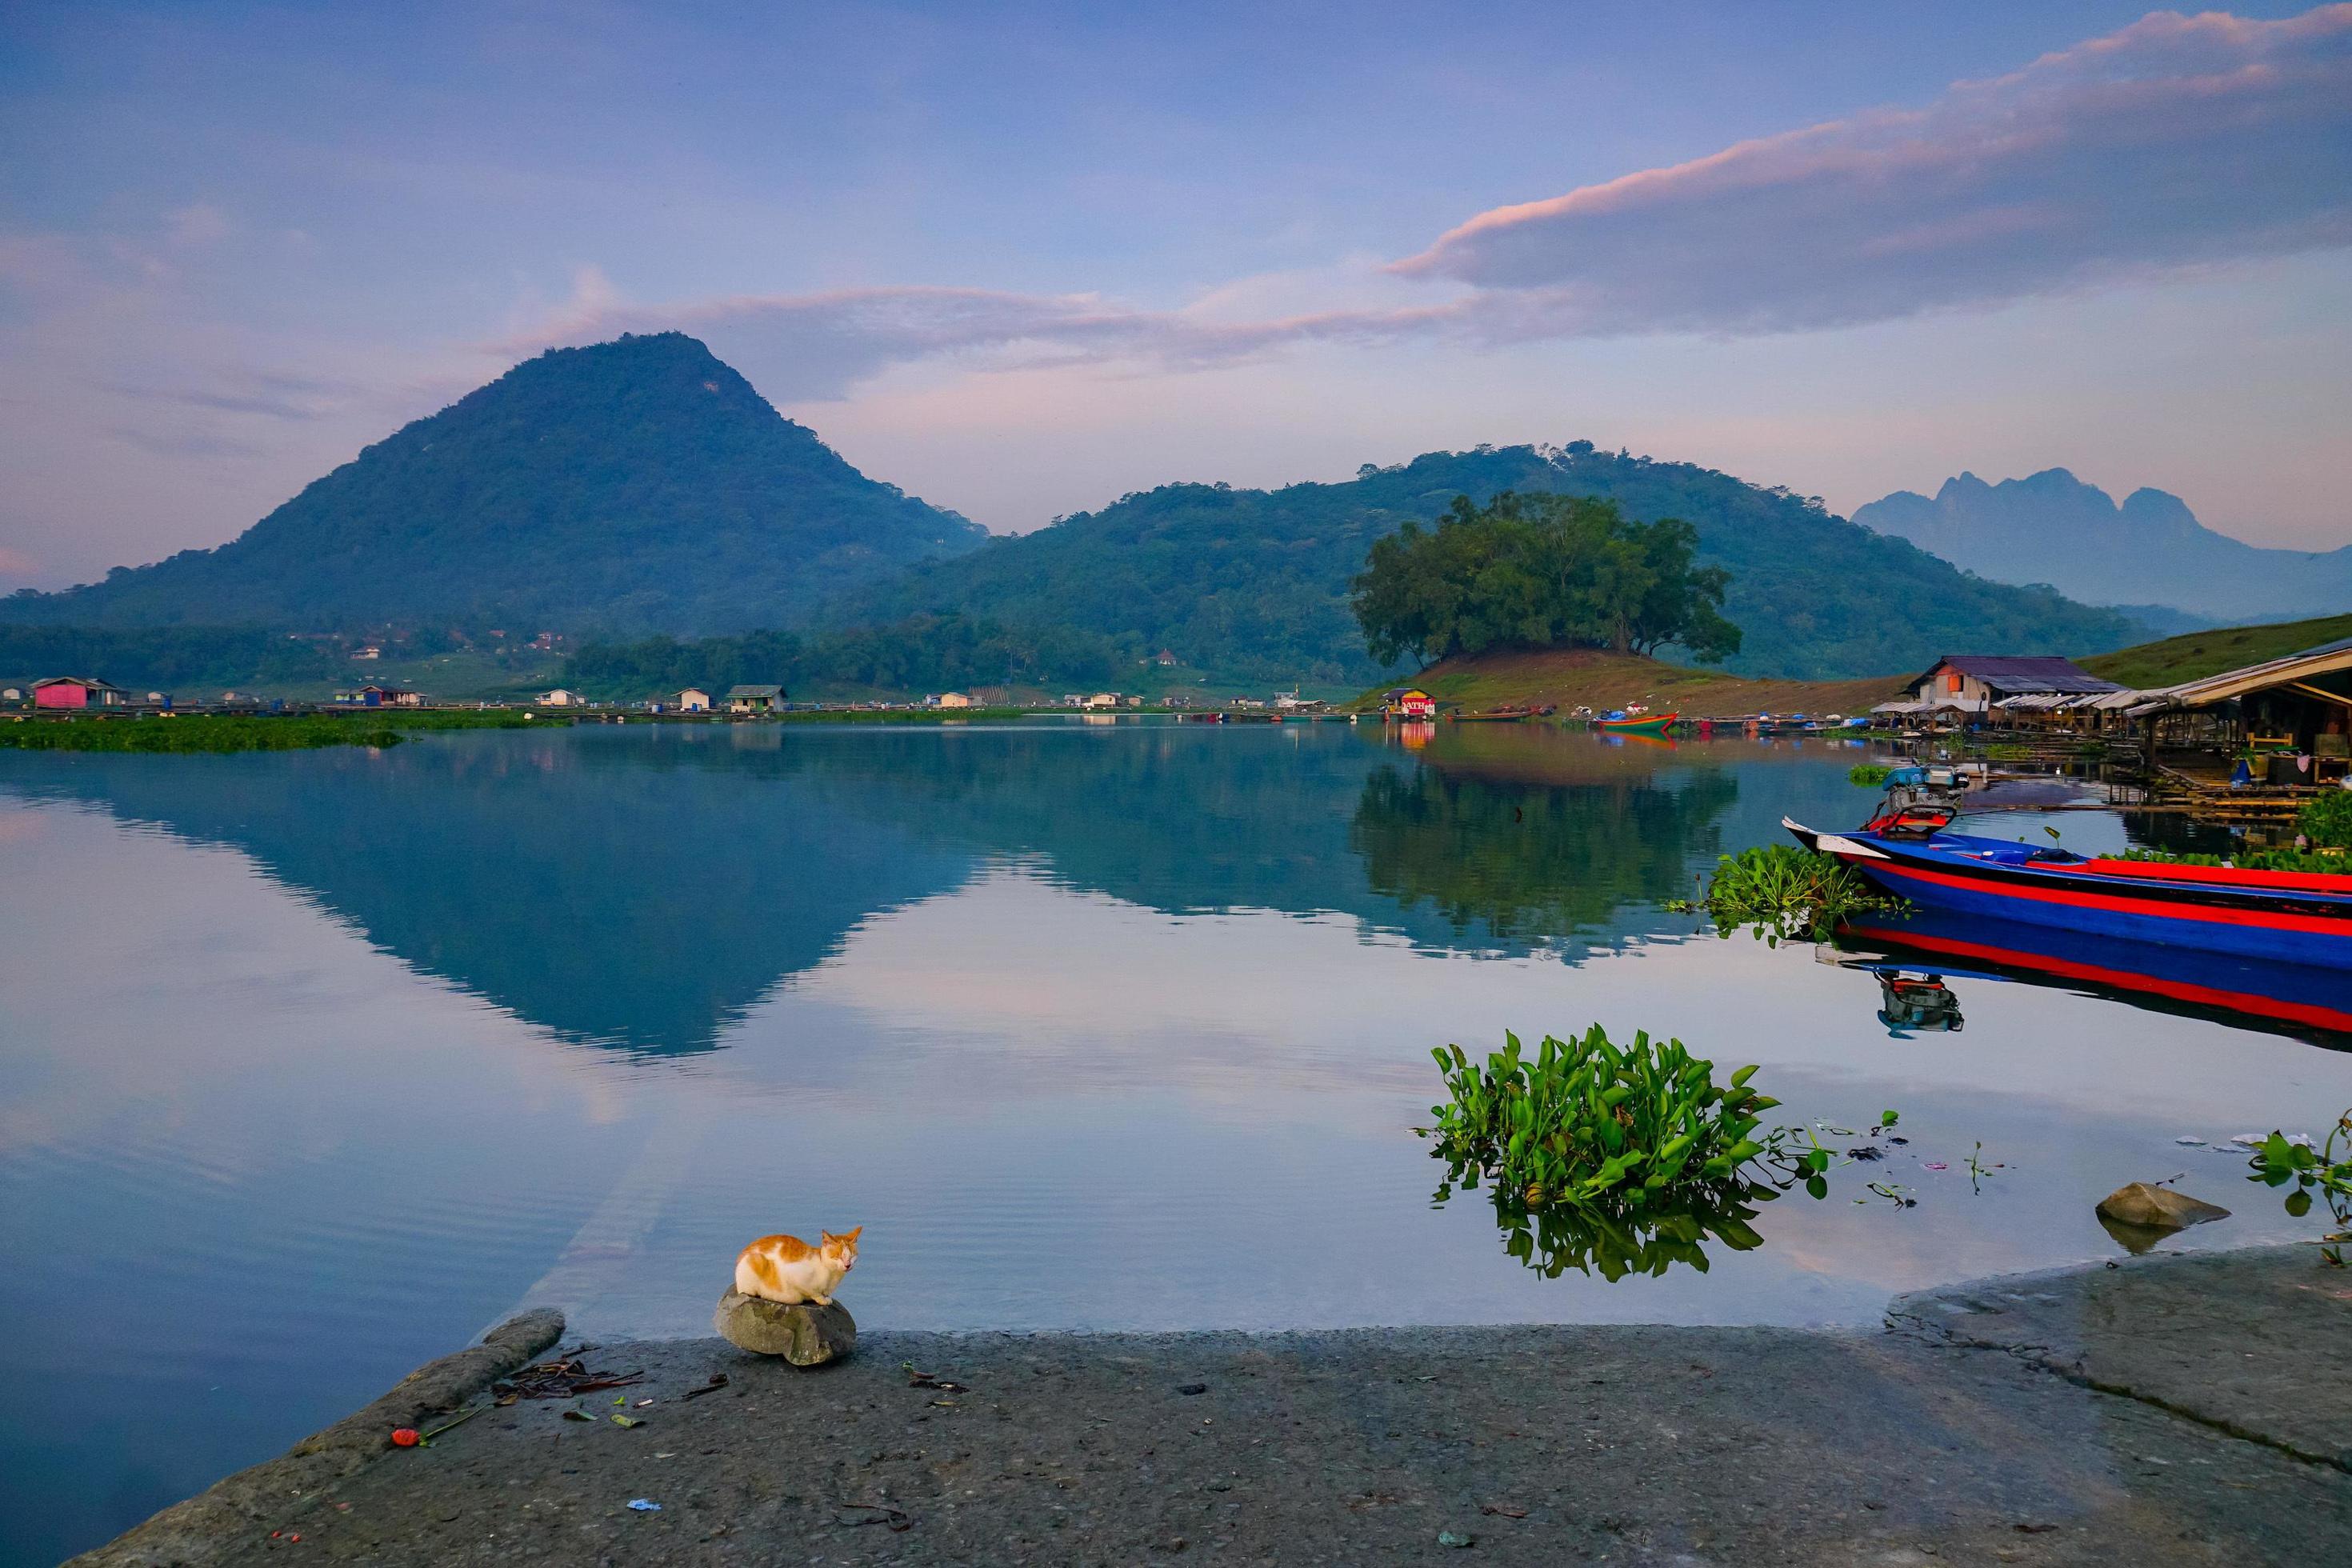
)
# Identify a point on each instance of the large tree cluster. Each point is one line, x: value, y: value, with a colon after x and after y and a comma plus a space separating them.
x: 1541, y: 571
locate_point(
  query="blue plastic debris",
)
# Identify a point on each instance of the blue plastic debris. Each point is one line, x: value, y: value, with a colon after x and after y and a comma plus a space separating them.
x: 645, y: 1505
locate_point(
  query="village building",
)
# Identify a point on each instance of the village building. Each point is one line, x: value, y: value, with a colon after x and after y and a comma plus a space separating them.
x: 1101, y: 699
x: 951, y: 700
x: 561, y: 698
x: 1164, y: 657
x: 382, y: 697
x: 694, y: 700
x: 754, y: 698
x: 2297, y: 709
x: 1409, y: 702
x: 77, y: 692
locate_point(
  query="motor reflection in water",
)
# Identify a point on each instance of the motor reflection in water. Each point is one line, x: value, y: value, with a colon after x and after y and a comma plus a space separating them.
x: 1906, y: 1003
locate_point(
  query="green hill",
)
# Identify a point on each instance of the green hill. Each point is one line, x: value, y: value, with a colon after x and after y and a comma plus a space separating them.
x: 1254, y: 583
x: 2196, y: 655
x: 636, y: 485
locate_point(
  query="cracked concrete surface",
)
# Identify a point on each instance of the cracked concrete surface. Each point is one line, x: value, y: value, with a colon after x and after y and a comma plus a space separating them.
x: 1945, y: 1439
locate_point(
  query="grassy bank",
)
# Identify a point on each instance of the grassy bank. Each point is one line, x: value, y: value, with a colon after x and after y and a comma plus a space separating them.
x: 198, y: 732
x: 1573, y: 678
x: 2192, y: 656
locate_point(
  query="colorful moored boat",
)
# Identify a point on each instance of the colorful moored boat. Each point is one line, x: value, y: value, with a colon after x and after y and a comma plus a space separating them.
x: 2287, y: 916
x: 1636, y: 724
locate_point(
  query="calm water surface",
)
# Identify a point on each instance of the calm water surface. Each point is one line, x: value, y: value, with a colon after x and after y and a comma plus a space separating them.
x: 313, y: 1064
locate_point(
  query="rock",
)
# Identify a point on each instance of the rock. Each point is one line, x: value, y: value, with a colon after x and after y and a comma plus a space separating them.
x: 803, y: 1335
x: 2157, y: 1208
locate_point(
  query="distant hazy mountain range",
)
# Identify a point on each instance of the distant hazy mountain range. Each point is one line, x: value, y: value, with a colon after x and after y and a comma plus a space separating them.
x: 2052, y: 527
x: 642, y: 486
x: 637, y: 485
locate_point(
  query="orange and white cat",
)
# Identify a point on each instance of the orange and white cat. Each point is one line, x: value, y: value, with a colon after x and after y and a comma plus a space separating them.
x: 787, y: 1270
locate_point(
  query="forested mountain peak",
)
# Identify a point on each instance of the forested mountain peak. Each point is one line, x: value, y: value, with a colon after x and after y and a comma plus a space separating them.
x: 641, y: 483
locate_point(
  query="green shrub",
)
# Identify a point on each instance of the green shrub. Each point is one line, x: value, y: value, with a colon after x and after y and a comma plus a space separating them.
x: 1870, y: 775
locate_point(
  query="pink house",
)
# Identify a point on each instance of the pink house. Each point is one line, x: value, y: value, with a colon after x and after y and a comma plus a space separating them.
x: 74, y: 691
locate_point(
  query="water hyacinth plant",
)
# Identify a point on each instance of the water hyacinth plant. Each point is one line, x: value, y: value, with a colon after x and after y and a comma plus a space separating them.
x: 2278, y: 1162
x: 1779, y: 891
x: 1615, y: 1159
x: 1868, y: 774
x: 1583, y: 1117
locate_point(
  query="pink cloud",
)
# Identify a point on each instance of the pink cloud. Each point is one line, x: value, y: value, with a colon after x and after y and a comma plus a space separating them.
x: 2174, y: 143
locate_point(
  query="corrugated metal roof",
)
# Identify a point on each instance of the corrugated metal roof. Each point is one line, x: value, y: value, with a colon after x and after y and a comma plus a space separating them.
x: 2230, y: 683
x: 2021, y: 674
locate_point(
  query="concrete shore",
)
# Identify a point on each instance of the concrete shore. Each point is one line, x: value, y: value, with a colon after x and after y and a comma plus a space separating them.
x: 2190, y: 1408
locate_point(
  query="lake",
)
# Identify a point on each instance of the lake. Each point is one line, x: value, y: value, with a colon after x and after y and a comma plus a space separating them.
x: 313, y: 1064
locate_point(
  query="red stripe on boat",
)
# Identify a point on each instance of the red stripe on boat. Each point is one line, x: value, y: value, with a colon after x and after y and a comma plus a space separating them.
x: 2320, y: 925
x: 2226, y: 875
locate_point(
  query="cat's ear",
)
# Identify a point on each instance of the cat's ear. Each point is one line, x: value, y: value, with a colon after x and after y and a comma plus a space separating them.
x: 827, y: 1236
x: 853, y: 1234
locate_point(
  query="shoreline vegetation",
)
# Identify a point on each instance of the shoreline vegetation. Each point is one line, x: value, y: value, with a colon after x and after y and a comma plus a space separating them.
x: 191, y: 733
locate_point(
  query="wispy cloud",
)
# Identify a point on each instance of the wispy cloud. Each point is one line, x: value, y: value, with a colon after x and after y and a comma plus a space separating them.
x: 820, y: 345
x: 2175, y: 143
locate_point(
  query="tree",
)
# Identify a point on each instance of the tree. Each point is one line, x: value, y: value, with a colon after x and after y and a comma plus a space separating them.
x: 1541, y: 571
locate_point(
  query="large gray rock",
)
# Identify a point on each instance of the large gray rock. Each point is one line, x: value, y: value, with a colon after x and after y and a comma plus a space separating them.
x: 803, y: 1334
x: 2157, y: 1208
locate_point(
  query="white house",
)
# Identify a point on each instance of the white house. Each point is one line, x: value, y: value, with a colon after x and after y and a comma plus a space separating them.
x: 1101, y: 699
x: 560, y: 698
x: 951, y: 700
x: 694, y: 700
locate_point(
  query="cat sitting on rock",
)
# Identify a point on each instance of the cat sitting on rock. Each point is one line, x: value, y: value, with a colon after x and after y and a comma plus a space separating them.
x: 788, y: 1270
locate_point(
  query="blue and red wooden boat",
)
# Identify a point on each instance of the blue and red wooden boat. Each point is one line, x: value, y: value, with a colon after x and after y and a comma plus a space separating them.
x: 2286, y: 917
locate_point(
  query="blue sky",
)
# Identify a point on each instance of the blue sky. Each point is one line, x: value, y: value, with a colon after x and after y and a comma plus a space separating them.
x: 1023, y: 259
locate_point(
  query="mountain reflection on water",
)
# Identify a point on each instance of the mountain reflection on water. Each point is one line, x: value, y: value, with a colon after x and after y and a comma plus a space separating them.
x: 641, y: 887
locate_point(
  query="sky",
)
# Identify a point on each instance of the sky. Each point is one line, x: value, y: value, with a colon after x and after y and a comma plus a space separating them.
x: 1023, y: 259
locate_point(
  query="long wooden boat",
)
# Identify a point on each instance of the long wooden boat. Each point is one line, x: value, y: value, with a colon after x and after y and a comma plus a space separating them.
x: 2286, y: 917
x: 1645, y: 724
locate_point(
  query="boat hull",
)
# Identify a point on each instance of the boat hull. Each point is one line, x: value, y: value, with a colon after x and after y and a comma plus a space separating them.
x: 1652, y: 724
x: 1944, y: 872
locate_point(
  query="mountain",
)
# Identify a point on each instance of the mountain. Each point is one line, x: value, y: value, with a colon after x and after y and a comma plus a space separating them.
x: 637, y: 485
x: 2052, y: 527
x: 1254, y: 583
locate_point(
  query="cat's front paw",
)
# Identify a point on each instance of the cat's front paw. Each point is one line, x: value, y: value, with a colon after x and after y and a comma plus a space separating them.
x: 821, y: 1301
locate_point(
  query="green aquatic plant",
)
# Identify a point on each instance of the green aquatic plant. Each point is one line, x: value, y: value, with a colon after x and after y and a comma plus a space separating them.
x: 195, y: 732
x: 1779, y: 892
x: 1584, y: 1118
x: 214, y: 733
x: 1870, y: 775
x: 2278, y: 1162
x: 2326, y: 819
x: 1618, y: 1160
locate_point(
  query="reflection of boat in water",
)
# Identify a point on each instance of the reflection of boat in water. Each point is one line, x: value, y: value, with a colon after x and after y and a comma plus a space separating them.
x: 2289, y: 997
x: 1508, y: 713
x: 2283, y: 916
x: 1635, y: 725
x: 1637, y: 737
